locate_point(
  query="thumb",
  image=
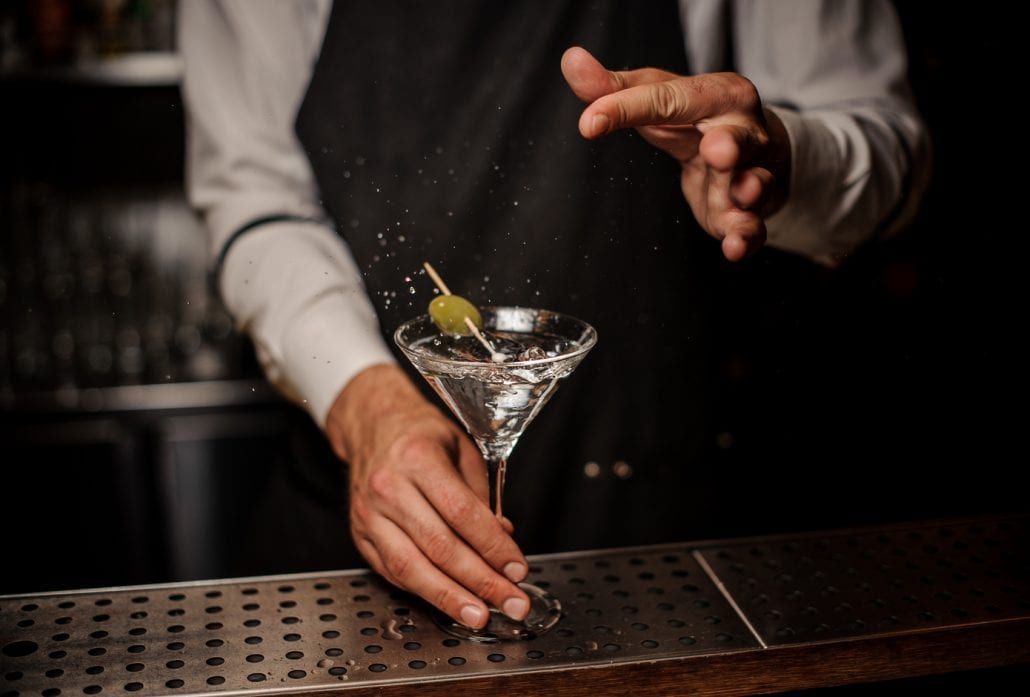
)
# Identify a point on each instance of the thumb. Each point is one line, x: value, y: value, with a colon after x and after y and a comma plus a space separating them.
x: 586, y: 76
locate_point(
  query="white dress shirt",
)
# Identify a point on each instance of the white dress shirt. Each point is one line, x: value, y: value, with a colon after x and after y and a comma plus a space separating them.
x: 834, y: 71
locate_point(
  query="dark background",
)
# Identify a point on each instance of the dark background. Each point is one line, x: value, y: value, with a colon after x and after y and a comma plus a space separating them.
x: 886, y: 390
x: 890, y: 389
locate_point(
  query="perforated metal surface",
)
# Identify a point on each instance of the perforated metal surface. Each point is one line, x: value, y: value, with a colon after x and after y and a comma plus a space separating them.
x: 847, y: 585
x: 310, y: 632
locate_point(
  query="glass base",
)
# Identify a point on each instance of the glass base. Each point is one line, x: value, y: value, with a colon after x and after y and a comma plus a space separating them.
x: 544, y: 613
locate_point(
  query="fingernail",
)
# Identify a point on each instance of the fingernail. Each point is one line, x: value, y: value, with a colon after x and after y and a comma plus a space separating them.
x: 471, y: 615
x: 515, y: 608
x: 599, y: 124
x: 515, y: 571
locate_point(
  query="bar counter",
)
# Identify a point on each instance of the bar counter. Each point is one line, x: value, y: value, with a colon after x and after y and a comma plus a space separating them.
x: 719, y: 617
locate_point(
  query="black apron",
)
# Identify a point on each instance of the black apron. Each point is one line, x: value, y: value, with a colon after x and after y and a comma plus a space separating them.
x: 445, y: 132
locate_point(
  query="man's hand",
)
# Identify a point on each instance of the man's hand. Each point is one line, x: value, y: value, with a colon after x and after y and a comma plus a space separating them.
x: 735, y: 155
x: 418, y: 500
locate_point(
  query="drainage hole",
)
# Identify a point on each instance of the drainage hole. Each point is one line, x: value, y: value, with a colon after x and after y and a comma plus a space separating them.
x: 255, y: 658
x: 215, y: 661
x: 253, y: 640
x: 495, y: 657
x: 137, y: 631
x: 130, y: 687
x: 337, y: 670
x: 411, y: 646
x: 373, y: 648
x: 99, y: 634
x: 331, y: 634
x: 334, y: 652
x: 294, y: 655
x: 417, y: 665
x: 256, y: 677
x: 98, y: 651
x: 611, y: 648
x: 450, y: 642
x: 174, y: 684
x: 95, y: 670
x: 54, y: 673
x: 649, y: 643
x: 174, y: 664
x: 92, y: 689
x: 297, y: 674
x: 377, y: 667
x: 288, y: 603
x: 51, y: 692
x: 291, y: 637
x: 213, y: 643
x: 573, y: 651
x: 176, y: 646
x: 134, y: 667
x: 215, y: 680
x: 58, y: 654
x: 369, y: 631
x: 458, y: 660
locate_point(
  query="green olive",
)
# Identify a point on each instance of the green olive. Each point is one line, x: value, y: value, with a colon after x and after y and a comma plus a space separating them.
x: 449, y: 313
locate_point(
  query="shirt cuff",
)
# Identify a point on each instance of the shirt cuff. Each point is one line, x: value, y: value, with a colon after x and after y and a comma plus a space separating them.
x: 800, y: 225
x: 295, y: 289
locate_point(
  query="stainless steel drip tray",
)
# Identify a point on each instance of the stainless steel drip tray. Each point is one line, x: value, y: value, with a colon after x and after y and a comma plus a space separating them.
x: 733, y: 617
x: 350, y: 629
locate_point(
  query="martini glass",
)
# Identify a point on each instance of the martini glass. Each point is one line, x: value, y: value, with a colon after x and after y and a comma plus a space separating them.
x: 496, y: 401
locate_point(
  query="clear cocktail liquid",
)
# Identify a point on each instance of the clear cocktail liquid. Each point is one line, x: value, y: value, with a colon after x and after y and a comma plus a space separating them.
x: 495, y: 401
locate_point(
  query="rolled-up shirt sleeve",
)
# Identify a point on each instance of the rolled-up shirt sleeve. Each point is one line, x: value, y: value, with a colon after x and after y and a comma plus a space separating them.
x: 289, y: 281
x: 835, y: 72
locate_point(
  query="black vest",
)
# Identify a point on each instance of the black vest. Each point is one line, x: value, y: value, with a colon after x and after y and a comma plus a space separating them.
x: 445, y: 132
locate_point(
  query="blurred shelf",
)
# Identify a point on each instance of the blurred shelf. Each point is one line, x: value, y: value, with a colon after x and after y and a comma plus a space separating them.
x: 143, y: 69
x: 211, y: 394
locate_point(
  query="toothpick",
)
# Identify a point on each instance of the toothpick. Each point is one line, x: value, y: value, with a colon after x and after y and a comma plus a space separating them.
x: 436, y: 278
x: 495, y: 355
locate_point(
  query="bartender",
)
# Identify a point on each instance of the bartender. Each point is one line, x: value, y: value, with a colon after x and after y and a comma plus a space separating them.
x: 603, y: 159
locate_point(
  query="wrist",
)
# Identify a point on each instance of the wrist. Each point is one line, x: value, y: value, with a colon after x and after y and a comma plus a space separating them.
x: 778, y: 161
x: 369, y: 396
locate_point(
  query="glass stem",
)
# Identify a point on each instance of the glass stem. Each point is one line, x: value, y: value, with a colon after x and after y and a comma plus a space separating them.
x: 496, y: 469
